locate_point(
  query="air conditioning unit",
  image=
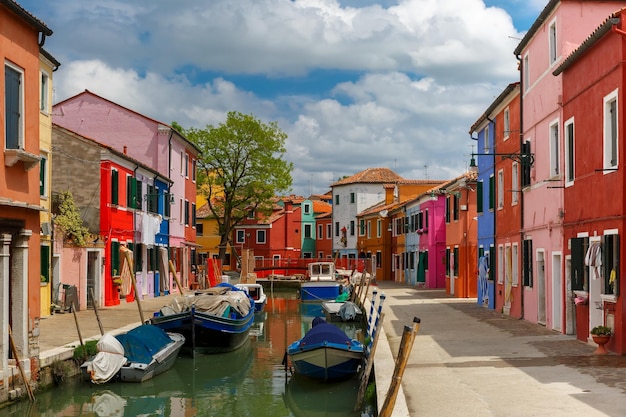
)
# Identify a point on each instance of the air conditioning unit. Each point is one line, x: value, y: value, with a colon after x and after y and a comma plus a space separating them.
x: 463, y: 207
x: 45, y: 229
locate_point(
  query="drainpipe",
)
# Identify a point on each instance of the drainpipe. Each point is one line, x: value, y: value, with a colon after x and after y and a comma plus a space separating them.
x: 492, y: 256
x: 521, y: 146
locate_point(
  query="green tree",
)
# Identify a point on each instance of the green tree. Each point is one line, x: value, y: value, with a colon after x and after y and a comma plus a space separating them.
x: 68, y: 219
x: 241, y: 169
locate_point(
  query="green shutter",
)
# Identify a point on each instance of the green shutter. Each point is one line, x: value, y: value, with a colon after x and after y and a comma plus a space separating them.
x: 114, y: 187
x: 492, y: 192
x: 45, y: 263
x: 42, y: 176
x: 479, y: 197
x: 577, y: 272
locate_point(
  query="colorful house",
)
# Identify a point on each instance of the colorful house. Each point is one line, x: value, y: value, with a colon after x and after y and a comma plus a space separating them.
x: 324, y: 236
x: 498, y: 206
x: 594, y: 86
x: 163, y: 149
x: 560, y: 27
x: 22, y: 36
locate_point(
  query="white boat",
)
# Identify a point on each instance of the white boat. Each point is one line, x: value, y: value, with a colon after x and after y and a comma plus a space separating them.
x: 341, y: 311
x: 321, y: 283
x: 136, y: 356
x: 258, y: 295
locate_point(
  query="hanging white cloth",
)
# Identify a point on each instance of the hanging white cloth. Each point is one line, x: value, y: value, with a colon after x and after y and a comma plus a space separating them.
x: 594, y: 258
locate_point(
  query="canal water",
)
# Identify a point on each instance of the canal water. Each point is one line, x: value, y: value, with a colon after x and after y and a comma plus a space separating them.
x: 251, y: 381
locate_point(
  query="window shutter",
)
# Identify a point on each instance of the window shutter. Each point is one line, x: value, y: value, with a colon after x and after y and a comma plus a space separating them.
x: 12, y: 107
x: 114, y: 187
x: 528, y: 263
x: 577, y: 277
x: 479, y: 197
x: 492, y: 192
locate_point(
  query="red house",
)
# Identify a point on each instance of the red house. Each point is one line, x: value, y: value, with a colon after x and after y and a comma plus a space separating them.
x: 593, y: 222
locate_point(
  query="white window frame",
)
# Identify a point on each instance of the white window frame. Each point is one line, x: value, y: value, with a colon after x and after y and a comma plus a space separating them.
x: 379, y: 227
x: 570, y: 149
x: 555, y: 148
x: 240, y: 236
x: 320, y: 231
x: 515, y: 183
x: 308, y: 232
x: 500, y: 192
x: 500, y: 264
x: 329, y: 231
x: 182, y: 163
x: 369, y: 229
x: 261, y: 236
x: 552, y: 42
x: 507, y: 124
x: 526, y: 73
x: 44, y: 93
x: 306, y: 208
x: 515, y: 264
x: 486, y: 139
x: 610, y: 137
x: 20, y: 133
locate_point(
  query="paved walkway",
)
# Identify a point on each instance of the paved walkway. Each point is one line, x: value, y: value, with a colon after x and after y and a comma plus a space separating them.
x: 470, y: 361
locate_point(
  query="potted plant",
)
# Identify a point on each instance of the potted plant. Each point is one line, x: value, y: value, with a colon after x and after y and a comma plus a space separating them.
x: 601, y: 336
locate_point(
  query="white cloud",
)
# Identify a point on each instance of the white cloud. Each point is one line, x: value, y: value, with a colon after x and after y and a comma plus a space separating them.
x: 419, y: 72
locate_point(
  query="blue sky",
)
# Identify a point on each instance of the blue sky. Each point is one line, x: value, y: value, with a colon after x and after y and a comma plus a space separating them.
x: 354, y: 83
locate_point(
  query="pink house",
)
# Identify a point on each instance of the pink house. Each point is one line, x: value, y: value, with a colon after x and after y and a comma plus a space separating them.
x: 560, y: 27
x: 161, y: 148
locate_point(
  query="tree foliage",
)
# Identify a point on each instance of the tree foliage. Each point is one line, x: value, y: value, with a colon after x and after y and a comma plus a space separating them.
x: 68, y: 219
x: 241, y: 169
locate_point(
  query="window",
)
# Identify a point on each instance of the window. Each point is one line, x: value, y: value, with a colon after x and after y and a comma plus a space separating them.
x: 479, y: 197
x: 307, y: 208
x: 379, y: 256
x: 182, y: 163
x: 45, y: 263
x: 193, y: 213
x: 351, y: 227
x: 526, y: 73
x: 361, y: 227
x: 569, y: 151
x: 426, y: 219
x: 337, y: 229
x: 199, y: 229
x: 240, y: 236
x: 486, y: 139
x: 610, y: 130
x: 139, y: 194
x: 186, y: 166
x: 456, y: 198
x: 500, y: 264
x: 167, y: 205
x: 352, y: 199
x: 526, y: 149
x: 337, y: 199
x: 13, y: 108
x: 379, y: 228
x: 44, y: 102
x: 527, y: 255
x: 186, y: 212
x: 515, y: 183
x: 552, y: 41
x: 320, y: 231
x: 260, y: 236
x: 554, y: 149
x: 153, y: 199
x: 455, y: 263
x: 329, y: 231
x: 448, y: 261
x: 579, y: 271
x: 42, y: 175
x: 369, y: 229
x: 610, y: 265
x: 492, y: 192
x: 507, y: 123
x: 307, y: 231
x: 114, y: 187
x: 194, y: 168
x: 448, y: 209
x: 131, y: 188
x: 500, y: 189
x: 251, y: 214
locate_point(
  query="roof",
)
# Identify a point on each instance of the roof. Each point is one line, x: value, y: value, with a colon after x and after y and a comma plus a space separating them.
x: 87, y: 92
x: 322, y: 207
x: 597, y: 34
x: 509, y: 88
x: 27, y: 16
x: 371, y: 176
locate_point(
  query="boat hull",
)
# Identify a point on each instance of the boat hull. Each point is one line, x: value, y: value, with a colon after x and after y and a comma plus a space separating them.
x: 162, y: 361
x: 327, y: 361
x: 332, y: 311
x: 319, y: 290
x: 207, y: 333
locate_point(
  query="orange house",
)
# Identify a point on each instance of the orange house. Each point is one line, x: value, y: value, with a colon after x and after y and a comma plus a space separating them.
x: 21, y: 37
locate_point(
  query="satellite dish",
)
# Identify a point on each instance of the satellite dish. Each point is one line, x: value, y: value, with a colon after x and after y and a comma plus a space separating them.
x: 383, y: 213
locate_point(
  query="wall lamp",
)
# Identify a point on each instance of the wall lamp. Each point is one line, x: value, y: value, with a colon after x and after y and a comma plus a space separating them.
x: 525, y: 159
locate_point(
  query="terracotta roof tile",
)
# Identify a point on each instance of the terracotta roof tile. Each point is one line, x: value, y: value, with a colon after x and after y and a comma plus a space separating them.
x: 371, y: 176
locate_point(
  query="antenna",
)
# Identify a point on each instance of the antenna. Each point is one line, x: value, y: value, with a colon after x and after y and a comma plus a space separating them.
x: 426, y: 171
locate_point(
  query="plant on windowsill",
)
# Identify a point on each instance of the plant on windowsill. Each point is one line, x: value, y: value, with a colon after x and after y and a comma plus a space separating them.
x: 601, y: 336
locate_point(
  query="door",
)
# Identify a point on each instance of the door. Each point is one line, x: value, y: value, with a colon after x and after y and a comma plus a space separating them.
x: 557, y: 292
x: 541, y: 288
x: 92, y: 269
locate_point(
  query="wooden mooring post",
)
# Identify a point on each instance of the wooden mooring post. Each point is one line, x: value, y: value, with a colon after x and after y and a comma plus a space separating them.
x: 408, y: 337
x: 367, y: 367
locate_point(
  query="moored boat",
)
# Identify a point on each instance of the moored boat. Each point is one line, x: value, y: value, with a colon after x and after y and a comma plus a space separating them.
x: 321, y: 283
x: 135, y: 356
x: 326, y: 353
x: 341, y: 311
x: 213, y: 321
x: 258, y: 295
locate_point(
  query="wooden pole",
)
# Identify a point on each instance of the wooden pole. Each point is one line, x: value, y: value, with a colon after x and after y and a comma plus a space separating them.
x: 173, y: 270
x: 95, y: 309
x: 369, y: 364
x: 19, y: 367
x: 80, y: 336
x: 408, y: 337
x: 367, y: 289
x: 129, y: 260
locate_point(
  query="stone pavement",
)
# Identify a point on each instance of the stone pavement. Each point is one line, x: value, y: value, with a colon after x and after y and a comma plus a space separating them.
x: 470, y: 361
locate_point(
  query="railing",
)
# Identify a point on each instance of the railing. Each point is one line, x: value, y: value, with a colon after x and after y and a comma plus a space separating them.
x: 264, y: 267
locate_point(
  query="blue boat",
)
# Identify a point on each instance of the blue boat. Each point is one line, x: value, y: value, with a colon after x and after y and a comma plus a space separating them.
x: 213, y: 321
x: 321, y: 283
x: 326, y: 353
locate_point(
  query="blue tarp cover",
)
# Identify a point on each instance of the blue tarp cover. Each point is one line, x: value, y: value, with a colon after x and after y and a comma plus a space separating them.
x: 324, y: 332
x: 142, y: 342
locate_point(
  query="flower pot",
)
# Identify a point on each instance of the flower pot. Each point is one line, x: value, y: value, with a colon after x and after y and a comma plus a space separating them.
x: 601, y: 340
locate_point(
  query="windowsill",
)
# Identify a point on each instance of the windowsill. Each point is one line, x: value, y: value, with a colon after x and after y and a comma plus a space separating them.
x: 609, y: 298
x: 13, y: 156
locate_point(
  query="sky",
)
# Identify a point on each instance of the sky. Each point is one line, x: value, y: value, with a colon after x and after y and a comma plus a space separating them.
x: 355, y: 84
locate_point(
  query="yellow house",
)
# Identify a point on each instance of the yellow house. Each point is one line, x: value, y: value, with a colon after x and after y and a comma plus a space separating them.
x: 47, y: 65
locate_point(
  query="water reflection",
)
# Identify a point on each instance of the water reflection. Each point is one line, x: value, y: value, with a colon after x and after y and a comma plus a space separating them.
x: 248, y: 382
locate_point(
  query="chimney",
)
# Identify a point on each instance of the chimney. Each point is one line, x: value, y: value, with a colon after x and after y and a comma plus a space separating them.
x: 125, y: 148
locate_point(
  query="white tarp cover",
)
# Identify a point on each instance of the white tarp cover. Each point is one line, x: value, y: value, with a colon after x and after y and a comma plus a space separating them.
x: 108, y: 361
x: 214, y: 304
